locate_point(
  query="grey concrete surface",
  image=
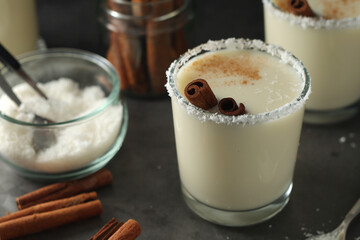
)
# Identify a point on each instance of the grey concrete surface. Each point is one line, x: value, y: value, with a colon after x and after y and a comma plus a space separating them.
x: 146, y: 185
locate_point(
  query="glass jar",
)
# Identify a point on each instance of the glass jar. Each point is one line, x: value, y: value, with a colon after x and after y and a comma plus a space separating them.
x: 18, y: 25
x: 88, y: 152
x: 144, y: 38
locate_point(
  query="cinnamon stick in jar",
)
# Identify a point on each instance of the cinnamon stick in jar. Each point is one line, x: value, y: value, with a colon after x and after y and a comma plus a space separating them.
x: 126, y: 51
x: 133, y: 58
x: 114, y: 56
x: 144, y: 41
x: 159, y: 47
x: 179, y: 39
x: 65, y: 189
x: 141, y: 8
x: 39, y: 222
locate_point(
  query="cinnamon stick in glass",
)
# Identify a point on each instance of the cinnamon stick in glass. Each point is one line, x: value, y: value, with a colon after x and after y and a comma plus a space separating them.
x: 200, y: 94
x: 50, y: 206
x: 300, y: 8
x: 39, y: 222
x: 65, y: 189
x: 296, y: 7
x: 229, y: 107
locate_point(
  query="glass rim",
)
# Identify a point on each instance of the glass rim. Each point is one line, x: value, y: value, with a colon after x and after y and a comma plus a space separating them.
x: 309, y: 22
x: 239, y: 43
x: 166, y: 16
x: 70, y: 53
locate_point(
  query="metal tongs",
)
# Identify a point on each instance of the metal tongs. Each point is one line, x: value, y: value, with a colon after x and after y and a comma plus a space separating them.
x: 8, y: 60
x: 41, y: 139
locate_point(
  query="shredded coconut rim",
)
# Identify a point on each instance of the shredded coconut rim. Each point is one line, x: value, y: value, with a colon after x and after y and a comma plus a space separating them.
x: 311, y: 22
x: 238, y: 44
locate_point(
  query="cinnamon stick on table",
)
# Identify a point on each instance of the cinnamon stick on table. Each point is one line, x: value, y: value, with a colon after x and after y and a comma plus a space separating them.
x: 65, y: 189
x: 42, y: 221
x: 108, y: 230
x: 50, y: 206
x: 128, y: 231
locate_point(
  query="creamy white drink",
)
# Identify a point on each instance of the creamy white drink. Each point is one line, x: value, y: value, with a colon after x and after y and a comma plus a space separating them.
x: 335, y: 9
x: 233, y: 164
x: 18, y: 25
x: 329, y: 47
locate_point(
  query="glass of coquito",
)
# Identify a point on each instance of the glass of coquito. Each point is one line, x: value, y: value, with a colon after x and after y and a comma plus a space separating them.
x: 238, y: 108
x: 18, y: 25
x: 325, y: 35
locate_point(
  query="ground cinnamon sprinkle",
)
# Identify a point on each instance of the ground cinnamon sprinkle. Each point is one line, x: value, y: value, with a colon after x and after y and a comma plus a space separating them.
x: 335, y: 9
x: 228, y: 66
x: 331, y: 10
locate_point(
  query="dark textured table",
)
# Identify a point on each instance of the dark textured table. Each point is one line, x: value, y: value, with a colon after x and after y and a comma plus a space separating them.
x: 147, y: 185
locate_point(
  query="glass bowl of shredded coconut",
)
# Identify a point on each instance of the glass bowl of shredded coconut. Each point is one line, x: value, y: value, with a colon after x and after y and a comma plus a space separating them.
x: 90, y: 120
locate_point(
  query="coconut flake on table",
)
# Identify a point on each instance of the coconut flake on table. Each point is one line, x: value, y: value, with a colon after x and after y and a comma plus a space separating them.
x: 77, y: 145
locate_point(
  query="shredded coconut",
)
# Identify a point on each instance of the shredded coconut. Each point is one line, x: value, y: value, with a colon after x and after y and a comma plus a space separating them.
x: 342, y: 139
x: 232, y: 43
x: 320, y: 235
x: 312, y: 22
x: 77, y: 144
